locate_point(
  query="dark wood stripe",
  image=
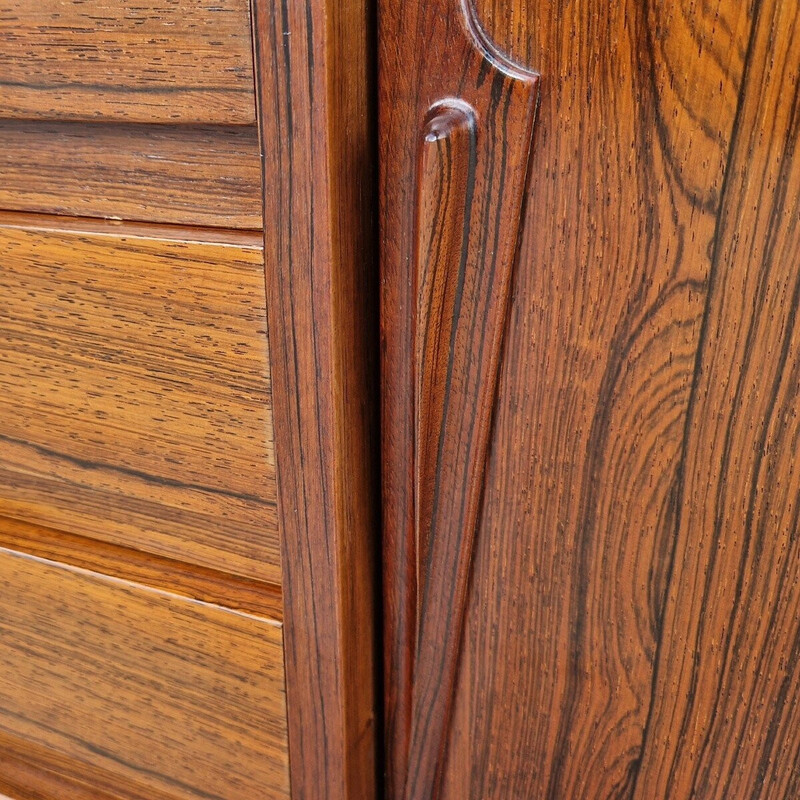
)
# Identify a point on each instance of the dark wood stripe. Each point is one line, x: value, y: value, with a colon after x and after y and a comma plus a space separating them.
x: 725, y: 719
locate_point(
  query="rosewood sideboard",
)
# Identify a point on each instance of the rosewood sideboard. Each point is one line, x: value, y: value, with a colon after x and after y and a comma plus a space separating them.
x: 399, y: 399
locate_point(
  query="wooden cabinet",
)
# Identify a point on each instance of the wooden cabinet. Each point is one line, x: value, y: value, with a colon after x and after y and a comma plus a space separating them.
x: 465, y: 324
x: 590, y: 398
x: 188, y: 402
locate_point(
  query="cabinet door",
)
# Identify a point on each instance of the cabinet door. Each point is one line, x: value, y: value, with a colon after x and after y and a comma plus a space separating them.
x: 590, y: 402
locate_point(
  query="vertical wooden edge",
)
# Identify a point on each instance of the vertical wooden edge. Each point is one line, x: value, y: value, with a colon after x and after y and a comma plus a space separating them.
x: 359, y: 324
x: 315, y: 98
x: 351, y: 93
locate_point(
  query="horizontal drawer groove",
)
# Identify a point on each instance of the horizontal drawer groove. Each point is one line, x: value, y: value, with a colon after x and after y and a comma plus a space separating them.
x: 189, y: 580
x: 125, y: 230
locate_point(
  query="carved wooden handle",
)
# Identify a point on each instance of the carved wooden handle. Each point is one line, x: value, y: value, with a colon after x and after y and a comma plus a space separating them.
x: 456, y: 123
x: 468, y: 201
x: 445, y: 183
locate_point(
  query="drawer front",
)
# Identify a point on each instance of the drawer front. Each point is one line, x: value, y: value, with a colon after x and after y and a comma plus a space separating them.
x: 134, y: 390
x: 158, y: 61
x: 141, y: 692
x: 187, y: 175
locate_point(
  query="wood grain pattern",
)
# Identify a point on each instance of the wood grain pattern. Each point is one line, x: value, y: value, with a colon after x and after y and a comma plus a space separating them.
x: 445, y: 188
x: 187, y: 62
x: 316, y: 112
x: 638, y: 111
x: 31, y: 772
x: 134, y: 389
x: 632, y: 629
x: 445, y: 181
x: 448, y: 250
x: 183, y: 175
x: 725, y: 718
x: 179, y: 698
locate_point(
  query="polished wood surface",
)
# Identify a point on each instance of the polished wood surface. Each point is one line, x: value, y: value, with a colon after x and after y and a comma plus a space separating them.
x: 315, y: 89
x: 134, y: 390
x: 141, y: 584
x: 29, y: 772
x: 160, y: 61
x: 121, y: 678
x: 456, y: 118
x: 584, y: 486
x: 725, y: 716
x: 184, y: 175
x: 631, y: 629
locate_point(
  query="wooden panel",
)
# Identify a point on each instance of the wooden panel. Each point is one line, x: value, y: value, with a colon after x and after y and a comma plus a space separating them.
x: 315, y: 89
x: 725, y: 718
x: 134, y: 389
x: 155, y: 173
x: 637, y: 115
x: 164, y: 695
x: 153, y: 62
x: 632, y: 628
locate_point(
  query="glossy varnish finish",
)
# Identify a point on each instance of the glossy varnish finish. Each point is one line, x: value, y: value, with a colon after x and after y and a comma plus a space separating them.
x: 141, y: 605
x: 178, y: 62
x: 631, y: 629
x: 725, y: 716
x: 134, y: 393
x: 579, y: 522
x: 316, y: 114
